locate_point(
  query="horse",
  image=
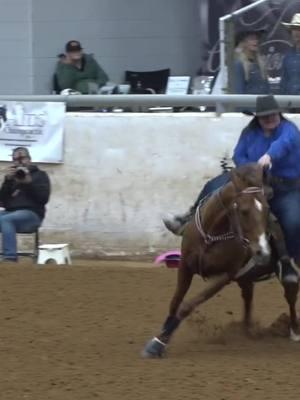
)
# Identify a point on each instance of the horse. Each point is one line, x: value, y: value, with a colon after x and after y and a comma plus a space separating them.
x: 226, y: 236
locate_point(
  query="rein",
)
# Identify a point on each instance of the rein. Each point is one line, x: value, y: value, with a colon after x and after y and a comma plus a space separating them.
x: 210, y: 239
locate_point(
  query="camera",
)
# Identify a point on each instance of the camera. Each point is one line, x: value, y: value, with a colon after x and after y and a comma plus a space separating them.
x: 21, y: 172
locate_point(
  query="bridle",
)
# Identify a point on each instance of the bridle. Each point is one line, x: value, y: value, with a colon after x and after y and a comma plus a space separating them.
x: 237, y: 232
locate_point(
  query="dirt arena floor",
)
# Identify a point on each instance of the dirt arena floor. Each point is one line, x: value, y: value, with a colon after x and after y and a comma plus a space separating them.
x: 76, y: 333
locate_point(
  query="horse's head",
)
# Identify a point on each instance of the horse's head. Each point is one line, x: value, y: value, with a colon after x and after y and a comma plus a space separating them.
x: 248, y: 210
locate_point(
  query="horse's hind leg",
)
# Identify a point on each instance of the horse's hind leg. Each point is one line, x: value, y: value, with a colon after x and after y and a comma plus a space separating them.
x: 156, y: 346
x: 247, y: 289
x: 291, y: 292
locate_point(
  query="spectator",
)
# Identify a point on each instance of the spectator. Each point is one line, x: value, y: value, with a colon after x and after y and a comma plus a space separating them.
x: 250, y: 72
x: 290, y: 76
x: 23, y: 194
x: 79, y: 71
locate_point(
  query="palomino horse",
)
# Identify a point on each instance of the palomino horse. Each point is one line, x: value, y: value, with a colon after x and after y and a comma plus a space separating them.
x: 225, y: 235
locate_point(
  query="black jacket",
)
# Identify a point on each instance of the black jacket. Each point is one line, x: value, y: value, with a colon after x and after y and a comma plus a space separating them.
x: 32, y: 196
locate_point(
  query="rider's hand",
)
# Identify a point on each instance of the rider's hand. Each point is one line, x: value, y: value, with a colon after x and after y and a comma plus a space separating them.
x: 265, y: 161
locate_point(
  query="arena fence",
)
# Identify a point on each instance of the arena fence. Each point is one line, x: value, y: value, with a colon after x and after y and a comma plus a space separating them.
x: 220, y: 102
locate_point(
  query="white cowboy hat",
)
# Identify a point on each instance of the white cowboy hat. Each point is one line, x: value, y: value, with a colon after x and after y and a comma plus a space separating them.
x: 295, y: 22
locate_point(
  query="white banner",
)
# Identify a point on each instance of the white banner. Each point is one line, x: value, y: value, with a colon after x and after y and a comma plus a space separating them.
x: 39, y: 126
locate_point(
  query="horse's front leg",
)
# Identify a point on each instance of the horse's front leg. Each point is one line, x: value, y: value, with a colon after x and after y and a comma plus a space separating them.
x: 291, y: 292
x: 247, y: 289
x: 157, y: 345
x: 188, y: 307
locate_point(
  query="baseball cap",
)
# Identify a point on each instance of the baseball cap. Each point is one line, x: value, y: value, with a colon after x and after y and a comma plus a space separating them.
x: 73, y: 45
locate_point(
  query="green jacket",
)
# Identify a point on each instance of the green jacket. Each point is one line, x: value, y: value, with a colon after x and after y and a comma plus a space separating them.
x: 69, y: 76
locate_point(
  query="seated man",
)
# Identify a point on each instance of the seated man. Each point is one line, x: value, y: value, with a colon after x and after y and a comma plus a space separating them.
x: 23, y: 194
x: 79, y: 71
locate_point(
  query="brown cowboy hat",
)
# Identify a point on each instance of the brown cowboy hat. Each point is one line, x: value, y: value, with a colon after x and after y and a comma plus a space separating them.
x: 266, y: 105
x: 295, y: 22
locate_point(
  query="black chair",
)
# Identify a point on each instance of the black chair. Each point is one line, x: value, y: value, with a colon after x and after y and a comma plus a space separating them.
x: 148, y: 81
x: 35, y: 248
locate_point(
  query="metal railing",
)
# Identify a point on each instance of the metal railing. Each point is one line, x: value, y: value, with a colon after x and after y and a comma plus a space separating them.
x: 190, y: 100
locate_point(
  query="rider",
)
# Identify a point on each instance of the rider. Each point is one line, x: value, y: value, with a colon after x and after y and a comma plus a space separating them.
x: 274, y: 142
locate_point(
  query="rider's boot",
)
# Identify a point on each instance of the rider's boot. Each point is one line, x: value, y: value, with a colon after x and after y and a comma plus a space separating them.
x: 286, y: 268
x: 177, y: 223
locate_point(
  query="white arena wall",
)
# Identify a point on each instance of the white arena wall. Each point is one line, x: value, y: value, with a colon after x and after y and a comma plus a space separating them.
x: 122, y: 172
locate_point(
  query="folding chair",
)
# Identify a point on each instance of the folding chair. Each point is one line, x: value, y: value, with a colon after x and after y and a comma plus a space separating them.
x: 29, y: 253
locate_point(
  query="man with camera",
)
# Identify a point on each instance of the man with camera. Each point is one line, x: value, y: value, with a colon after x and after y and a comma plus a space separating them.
x: 23, y: 194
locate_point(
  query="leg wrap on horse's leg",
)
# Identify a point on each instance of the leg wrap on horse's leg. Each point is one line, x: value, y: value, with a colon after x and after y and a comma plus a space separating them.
x: 170, y: 325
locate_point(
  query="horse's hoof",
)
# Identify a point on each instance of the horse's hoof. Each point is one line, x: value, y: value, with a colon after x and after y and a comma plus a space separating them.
x: 294, y: 335
x: 155, y: 348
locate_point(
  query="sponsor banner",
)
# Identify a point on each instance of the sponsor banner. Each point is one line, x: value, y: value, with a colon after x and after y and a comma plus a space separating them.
x: 39, y: 126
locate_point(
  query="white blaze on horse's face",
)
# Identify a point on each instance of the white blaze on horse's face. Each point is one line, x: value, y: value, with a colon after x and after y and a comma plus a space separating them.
x: 264, y: 244
x: 262, y: 240
x: 258, y: 205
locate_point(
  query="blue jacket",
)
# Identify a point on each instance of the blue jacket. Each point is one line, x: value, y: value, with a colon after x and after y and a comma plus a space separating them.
x: 256, y: 84
x: 290, y: 74
x: 283, y: 146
